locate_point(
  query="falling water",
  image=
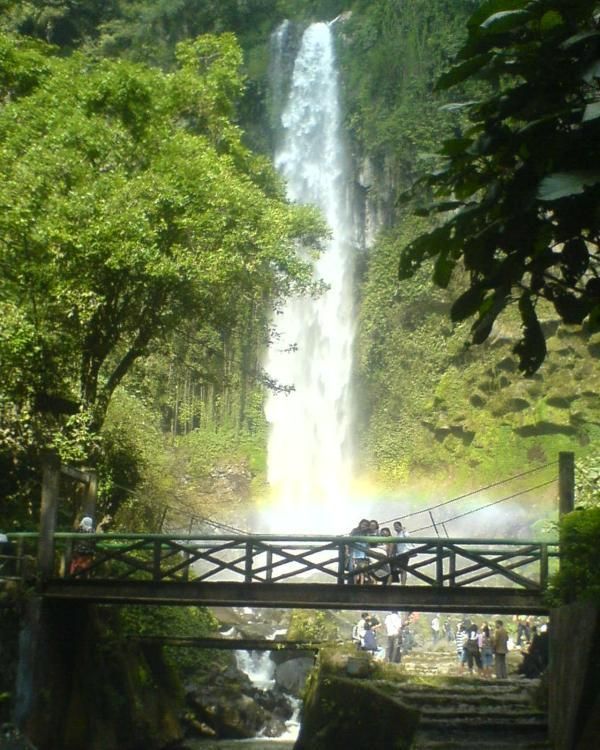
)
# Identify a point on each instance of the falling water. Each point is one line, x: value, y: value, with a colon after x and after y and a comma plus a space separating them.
x: 309, y: 450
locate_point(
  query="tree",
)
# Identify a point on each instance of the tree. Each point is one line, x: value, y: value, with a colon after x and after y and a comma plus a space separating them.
x: 128, y: 206
x: 519, y: 190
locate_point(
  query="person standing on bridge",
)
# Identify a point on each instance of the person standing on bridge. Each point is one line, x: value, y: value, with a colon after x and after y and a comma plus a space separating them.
x: 357, y: 553
x: 500, y: 650
x: 401, y: 555
x: 83, y: 549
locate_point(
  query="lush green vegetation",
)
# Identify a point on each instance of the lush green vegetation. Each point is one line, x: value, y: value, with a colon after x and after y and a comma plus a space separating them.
x: 179, y: 389
x: 430, y: 405
x: 134, y: 219
x: 579, y: 576
x: 193, y: 622
x: 519, y: 189
x: 311, y: 625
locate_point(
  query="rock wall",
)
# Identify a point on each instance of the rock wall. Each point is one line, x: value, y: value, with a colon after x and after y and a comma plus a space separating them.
x: 574, y: 671
x: 78, y: 688
x: 352, y: 714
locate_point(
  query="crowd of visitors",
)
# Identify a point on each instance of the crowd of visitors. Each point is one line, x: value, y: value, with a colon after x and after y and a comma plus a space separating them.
x: 485, y: 648
x: 386, y: 640
x: 378, y: 562
x: 480, y: 649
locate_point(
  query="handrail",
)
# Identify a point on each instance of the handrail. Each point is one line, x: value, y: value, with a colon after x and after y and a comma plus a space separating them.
x: 274, y: 558
x: 376, y: 540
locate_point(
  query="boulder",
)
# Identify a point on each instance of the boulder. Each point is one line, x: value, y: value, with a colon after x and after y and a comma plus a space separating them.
x: 351, y: 713
x: 292, y: 674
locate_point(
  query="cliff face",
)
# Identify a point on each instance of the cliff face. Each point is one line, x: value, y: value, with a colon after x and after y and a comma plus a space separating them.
x: 428, y: 405
x: 81, y: 687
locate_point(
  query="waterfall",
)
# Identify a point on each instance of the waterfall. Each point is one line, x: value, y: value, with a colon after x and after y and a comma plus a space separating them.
x: 309, y: 449
x: 259, y: 667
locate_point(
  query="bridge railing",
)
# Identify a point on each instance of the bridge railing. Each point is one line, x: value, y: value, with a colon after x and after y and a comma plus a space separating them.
x: 271, y: 559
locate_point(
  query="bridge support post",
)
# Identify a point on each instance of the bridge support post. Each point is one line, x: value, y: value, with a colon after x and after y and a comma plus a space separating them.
x: 90, y: 495
x: 439, y: 564
x: 566, y: 482
x: 50, y: 490
x: 248, y: 563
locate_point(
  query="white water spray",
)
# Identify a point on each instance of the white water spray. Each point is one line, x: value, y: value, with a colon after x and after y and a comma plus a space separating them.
x: 309, y: 450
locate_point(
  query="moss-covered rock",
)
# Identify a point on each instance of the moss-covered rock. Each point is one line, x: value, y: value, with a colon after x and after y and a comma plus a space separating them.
x: 353, y: 714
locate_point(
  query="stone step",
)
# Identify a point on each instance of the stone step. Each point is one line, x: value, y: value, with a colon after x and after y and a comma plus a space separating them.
x: 508, y: 720
x: 479, y: 744
x: 507, y: 729
x: 486, y: 700
x: 461, y: 712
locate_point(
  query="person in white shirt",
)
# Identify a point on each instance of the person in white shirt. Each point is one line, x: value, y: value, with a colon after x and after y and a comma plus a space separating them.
x: 435, y: 629
x: 393, y: 633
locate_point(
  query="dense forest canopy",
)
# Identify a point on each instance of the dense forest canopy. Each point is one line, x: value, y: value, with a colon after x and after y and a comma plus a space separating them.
x: 131, y: 209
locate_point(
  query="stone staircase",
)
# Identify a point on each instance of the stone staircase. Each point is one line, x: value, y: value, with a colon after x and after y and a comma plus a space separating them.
x: 469, y: 712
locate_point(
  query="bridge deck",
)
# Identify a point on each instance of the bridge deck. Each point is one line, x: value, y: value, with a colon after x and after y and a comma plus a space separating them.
x: 306, y: 596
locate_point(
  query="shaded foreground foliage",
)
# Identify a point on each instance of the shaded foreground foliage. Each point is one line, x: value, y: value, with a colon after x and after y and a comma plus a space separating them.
x: 520, y: 187
x: 579, y: 574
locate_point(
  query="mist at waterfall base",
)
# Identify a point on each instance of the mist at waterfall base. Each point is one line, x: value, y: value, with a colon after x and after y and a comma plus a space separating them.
x: 526, y: 517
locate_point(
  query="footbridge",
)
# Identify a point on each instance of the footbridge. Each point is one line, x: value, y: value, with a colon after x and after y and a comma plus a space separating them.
x: 443, y: 574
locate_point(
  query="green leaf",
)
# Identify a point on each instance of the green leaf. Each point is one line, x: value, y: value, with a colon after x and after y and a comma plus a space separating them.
x: 551, y: 20
x: 468, y: 303
x: 458, y: 106
x: 462, y: 71
x: 507, y: 20
x: 571, y: 308
x: 563, y: 184
x: 592, y: 111
x: 574, y: 260
x: 442, y: 270
x: 531, y: 349
x: 592, y: 73
x: 425, y: 246
x: 576, y: 39
x: 456, y: 146
x: 491, y: 307
x: 491, y: 7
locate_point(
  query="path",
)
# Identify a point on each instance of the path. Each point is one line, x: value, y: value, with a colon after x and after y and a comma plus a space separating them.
x: 467, y: 712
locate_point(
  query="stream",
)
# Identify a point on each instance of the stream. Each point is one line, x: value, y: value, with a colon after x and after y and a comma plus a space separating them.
x: 254, y: 744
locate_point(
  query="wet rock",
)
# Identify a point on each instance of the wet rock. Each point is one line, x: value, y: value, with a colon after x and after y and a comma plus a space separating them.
x: 227, y: 705
x: 352, y: 714
x: 292, y: 674
x: 227, y: 714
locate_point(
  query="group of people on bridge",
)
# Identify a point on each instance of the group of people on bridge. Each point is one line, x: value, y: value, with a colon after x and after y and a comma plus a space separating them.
x: 362, y: 557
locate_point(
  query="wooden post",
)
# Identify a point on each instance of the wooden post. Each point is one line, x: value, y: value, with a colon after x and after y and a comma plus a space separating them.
x: 248, y: 563
x: 566, y: 482
x: 341, y: 572
x: 156, y: 560
x: 90, y: 496
x: 452, y: 571
x: 50, y: 491
x: 543, y: 565
x: 439, y: 565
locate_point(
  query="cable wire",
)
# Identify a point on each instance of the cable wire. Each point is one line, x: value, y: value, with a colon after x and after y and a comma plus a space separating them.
x: 488, y: 505
x: 469, y: 494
